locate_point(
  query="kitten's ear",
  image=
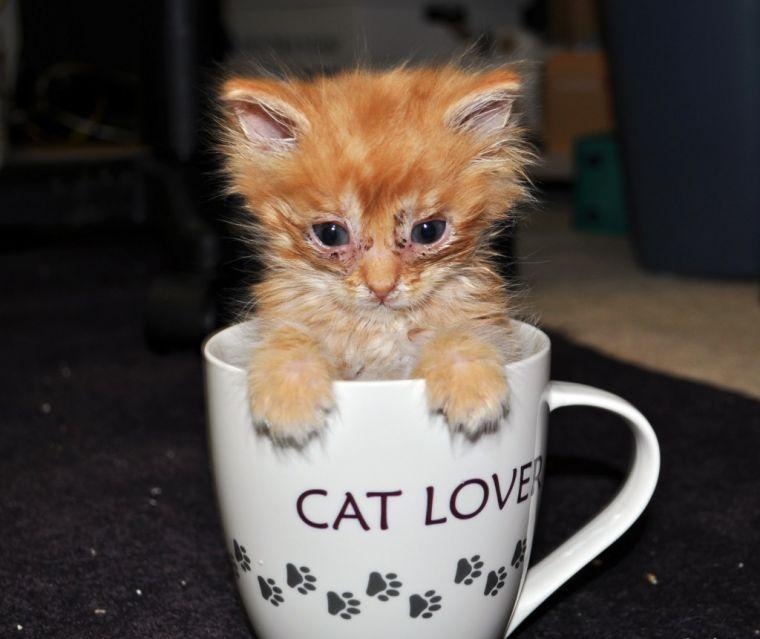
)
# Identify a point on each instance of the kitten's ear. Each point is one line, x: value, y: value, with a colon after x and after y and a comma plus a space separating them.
x: 487, y: 107
x: 264, y: 111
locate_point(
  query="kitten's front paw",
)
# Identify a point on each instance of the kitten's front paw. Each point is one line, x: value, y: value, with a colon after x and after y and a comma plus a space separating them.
x: 291, y: 399
x: 471, y: 394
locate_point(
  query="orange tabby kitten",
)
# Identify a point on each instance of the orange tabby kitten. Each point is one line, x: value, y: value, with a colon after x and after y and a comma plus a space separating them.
x: 375, y: 195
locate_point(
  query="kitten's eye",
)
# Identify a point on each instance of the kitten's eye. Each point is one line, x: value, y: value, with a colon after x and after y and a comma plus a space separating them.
x: 331, y: 234
x: 428, y: 232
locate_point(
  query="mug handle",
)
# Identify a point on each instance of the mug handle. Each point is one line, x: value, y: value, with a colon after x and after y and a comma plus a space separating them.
x: 614, y: 519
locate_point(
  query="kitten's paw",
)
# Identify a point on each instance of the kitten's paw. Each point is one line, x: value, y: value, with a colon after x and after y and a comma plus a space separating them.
x: 471, y: 394
x: 291, y: 399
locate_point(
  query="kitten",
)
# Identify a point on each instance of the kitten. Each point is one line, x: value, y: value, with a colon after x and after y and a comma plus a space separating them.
x: 375, y: 195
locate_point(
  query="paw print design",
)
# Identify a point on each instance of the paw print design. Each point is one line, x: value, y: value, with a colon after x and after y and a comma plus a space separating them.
x: 235, y: 569
x: 344, y: 605
x: 468, y: 570
x: 383, y: 586
x: 424, y: 605
x: 519, y: 555
x: 241, y: 556
x: 495, y: 581
x: 301, y: 579
x: 271, y: 591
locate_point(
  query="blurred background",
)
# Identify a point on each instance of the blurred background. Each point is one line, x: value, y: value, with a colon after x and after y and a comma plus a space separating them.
x: 645, y: 242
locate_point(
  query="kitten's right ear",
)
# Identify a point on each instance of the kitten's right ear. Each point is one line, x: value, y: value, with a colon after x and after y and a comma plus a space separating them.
x: 487, y: 108
x: 263, y: 111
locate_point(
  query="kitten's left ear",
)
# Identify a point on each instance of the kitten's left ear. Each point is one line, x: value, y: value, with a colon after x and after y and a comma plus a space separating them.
x: 265, y: 112
x: 486, y: 109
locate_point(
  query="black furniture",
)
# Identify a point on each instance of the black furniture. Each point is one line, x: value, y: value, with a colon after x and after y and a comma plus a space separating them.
x: 687, y: 100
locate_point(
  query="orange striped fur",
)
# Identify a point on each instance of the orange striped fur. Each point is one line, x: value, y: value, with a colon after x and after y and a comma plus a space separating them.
x: 377, y: 152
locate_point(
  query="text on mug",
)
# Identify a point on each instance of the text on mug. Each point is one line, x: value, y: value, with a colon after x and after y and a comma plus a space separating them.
x: 520, y: 483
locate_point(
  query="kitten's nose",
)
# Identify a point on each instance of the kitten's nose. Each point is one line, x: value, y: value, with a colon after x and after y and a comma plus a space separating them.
x: 381, y: 273
x: 381, y: 290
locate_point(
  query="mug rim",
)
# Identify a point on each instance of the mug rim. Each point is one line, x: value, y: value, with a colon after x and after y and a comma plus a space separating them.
x: 528, y: 335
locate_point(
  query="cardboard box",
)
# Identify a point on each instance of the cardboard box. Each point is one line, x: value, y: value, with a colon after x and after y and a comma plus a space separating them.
x: 577, y: 99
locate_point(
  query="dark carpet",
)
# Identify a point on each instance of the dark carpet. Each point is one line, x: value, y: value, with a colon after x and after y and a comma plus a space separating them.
x: 107, y: 517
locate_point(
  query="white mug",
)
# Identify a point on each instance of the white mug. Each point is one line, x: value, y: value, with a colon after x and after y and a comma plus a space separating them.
x: 391, y: 525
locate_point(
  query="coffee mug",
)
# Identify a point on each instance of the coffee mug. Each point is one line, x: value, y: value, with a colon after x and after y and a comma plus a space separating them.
x: 389, y: 524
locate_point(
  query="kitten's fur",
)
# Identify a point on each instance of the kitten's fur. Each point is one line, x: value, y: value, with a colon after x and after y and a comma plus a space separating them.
x: 377, y: 152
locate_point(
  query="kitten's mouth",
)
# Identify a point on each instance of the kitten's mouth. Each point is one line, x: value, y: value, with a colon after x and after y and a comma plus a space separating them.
x: 392, y: 305
x: 384, y: 304
x: 395, y: 301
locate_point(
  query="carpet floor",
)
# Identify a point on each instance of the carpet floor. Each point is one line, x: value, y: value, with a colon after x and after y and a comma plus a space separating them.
x: 107, y: 515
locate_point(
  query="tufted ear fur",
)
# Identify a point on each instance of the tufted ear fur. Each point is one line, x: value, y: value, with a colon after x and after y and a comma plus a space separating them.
x: 265, y: 113
x: 487, y: 108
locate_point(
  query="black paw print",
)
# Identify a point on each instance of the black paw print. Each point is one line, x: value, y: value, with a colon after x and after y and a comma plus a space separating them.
x: 468, y: 570
x: 424, y: 605
x: 345, y: 605
x: 519, y: 555
x: 235, y: 569
x: 241, y: 556
x: 300, y: 578
x: 495, y: 581
x: 383, y: 587
x: 271, y: 591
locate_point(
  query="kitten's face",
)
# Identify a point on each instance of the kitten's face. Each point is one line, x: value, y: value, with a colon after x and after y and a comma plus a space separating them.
x: 372, y: 190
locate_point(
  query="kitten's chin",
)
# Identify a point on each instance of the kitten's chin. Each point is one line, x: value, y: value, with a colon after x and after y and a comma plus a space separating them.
x: 396, y: 305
